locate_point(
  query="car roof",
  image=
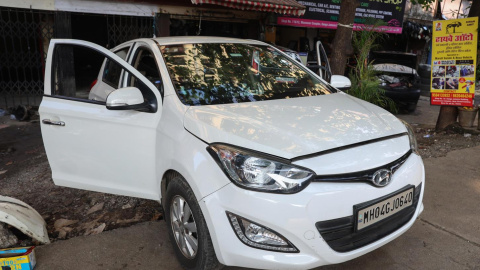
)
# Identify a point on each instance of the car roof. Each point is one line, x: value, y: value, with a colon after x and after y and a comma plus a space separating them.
x: 198, y: 39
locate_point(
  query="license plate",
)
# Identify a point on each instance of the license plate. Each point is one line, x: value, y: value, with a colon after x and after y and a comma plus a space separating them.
x: 372, y: 214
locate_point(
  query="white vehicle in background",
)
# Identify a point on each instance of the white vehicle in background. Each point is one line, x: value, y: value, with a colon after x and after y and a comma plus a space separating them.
x: 257, y: 161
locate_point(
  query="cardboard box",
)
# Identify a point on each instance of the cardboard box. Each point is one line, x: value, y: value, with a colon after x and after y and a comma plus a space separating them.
x: 17, y: 258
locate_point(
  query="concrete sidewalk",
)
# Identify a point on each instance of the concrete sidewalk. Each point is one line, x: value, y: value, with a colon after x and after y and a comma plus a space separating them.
x: 446, y: 236
x: 425, y: 114
x: 144, y: 246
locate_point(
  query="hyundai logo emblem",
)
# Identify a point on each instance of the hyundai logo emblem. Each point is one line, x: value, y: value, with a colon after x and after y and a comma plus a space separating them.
x: 382, y: 177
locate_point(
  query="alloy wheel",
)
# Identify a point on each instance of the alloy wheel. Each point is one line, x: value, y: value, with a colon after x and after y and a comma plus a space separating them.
x: 184, y: 227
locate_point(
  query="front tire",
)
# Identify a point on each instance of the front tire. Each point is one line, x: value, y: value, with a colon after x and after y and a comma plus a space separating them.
x: 187, y: 228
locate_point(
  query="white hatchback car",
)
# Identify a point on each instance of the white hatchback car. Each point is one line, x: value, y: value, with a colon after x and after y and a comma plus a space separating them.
x: 257, y: 161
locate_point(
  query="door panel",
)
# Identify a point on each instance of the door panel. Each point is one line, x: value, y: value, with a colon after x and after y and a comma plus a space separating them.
x: 97, y: 149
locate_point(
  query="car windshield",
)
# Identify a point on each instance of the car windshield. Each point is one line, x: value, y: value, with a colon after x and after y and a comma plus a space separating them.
x: 216, y: 73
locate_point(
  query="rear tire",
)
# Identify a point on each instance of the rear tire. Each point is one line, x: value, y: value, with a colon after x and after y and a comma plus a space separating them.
x: 187, y: 228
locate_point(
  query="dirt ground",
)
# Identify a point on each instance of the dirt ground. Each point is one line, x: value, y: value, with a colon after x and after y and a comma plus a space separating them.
x: 432, y: 144
x: 25, y: 174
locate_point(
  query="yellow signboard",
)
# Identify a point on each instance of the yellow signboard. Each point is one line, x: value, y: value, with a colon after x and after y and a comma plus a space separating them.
x: 454, y: 58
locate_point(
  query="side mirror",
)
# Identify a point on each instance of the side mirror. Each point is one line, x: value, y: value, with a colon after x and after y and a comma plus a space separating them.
x: 128, y: 98
x: 341, y: 82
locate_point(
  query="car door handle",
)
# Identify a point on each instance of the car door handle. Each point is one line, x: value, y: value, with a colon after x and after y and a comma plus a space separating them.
x: 55, y: 123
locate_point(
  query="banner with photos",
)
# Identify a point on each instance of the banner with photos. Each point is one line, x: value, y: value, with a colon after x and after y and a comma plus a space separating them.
x: 454, y: 57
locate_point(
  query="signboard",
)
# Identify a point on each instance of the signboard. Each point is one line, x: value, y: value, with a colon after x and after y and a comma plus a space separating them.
x: 324, y: 14
x: 454, y: 57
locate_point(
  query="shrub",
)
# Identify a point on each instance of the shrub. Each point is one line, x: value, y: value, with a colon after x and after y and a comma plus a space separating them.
x: 365, y: 84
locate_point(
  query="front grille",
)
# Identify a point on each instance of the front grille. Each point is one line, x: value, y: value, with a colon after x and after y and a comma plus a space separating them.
x: 341, y: 236
x: 363, y: 176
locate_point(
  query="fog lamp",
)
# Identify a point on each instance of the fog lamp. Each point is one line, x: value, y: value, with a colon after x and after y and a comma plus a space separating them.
x: 258, y: 236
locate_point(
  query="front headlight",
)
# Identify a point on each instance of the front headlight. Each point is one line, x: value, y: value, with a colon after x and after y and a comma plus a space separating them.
x: 260, y: 172
x: 411, y: 137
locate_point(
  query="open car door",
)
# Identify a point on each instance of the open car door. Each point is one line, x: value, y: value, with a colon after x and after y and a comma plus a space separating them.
x: 320, y: 65
x: 101, y: 145
x: 323, y: 69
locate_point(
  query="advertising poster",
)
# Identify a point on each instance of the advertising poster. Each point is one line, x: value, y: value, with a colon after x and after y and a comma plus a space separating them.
x: 324, y: 14
x: 454, y: 57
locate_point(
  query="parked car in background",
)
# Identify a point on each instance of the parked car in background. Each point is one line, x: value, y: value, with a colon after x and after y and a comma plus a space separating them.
x: 256, y: 160
x: 398, y: 77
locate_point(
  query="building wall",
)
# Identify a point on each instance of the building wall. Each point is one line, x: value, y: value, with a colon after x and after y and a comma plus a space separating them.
x: 136, y: 8
x: 36, y: 4
x: 450, y: 9
x: 108, y: 7
x: 417, y: 12
x: 88, y: 6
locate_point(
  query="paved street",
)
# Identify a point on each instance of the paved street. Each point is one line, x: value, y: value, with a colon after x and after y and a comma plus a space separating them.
x: 446, y: 236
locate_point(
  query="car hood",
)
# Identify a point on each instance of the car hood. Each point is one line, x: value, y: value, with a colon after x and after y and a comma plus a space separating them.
x: 294, y: 127
x: 400, y: 58
x: 394, y: 68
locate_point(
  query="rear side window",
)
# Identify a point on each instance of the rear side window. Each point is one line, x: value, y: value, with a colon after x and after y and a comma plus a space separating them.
x: 113, y: 71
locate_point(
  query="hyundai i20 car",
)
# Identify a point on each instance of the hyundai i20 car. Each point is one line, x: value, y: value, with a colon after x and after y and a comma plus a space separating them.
x: 256, y: 160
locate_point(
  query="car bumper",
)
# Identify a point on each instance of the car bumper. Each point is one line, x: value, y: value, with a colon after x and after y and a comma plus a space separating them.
x: 294, y: 216
x: 403, y: 95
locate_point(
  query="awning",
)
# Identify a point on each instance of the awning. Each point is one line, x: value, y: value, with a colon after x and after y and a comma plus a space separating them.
x: 290, y: 7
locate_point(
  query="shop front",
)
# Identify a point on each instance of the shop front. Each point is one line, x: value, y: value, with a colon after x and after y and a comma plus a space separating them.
x: 320, y: 22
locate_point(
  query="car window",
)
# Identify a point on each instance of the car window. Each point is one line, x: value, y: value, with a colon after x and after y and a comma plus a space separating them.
x: 216, y: 73
x: 113, y: 71
x: 75, y: 71
x: 145, y: 63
